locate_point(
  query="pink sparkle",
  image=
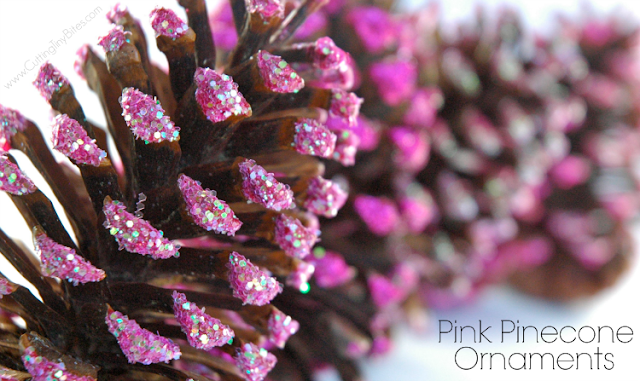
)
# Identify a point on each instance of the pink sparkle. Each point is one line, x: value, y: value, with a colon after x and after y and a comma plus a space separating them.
x: 218, y: 96
x: 72, y: 140
x: 12, y: 180
x: 395, y: 80
x: 116, y: 13
x: 277, y: 75
x: 313, y: 138
x: 299, y: 278
x: 63, y: 262
x: 254, y: 362
x: 139, y: 344
x: 347, y: 143
x: 81, y: 58
x: 324, y: 197
x: 423, y: 107
x: 418, y: 210
x: 261, y: 187
x: 114, y: 40
x: 326, y: 55
x: 331, y: 269
x: 266, y: 8
x: 295, y: 239
x: 146, y: 118
x: 135, y: 234
x: 281, y: 326
x: 368, y: 132
x: 374, y: 27
x: 44, y: 369
x: 166, y: 23
x: 379, y: 213
x: 206, y: 209
x: 383, y: 291
x: 6, y: 287
x: 222, y: 26
x: 412, y: 148
x: 249, y: 283
x: 346, y: 105
x: 11, y: 121
x: 203, y: 331
x: 49, y: 80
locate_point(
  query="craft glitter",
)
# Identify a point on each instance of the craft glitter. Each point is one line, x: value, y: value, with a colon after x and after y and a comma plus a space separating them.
x: 277, y: 75
x: 203, y: 331
x: 313, y: 138
x: 49, y: 80
x: 345, y: 105
x: 114, y: 40
x: 44, y: 369
x: 146, y: 118
x: 266, y: 8
x: 254, y: 362
x: 324, y: 197
x: 295, y: 239
x: 326, y: 55
x: 72, y: 140
x: 12, y: 180
x: 281, y: 326
x: 11, y: 121
x: 6, y: 287
x: 261, y: 187
x: 249, y: 283
x: 166, y: 23
x: 218, y: 96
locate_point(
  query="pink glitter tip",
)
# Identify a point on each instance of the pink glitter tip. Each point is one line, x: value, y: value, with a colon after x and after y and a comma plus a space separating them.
x: 6, y: 287
x: 326, y: 55
x: 63, y: 262
x: 324, y: 197
x: 139, y: 344
x: 295, y: 239
x: 266, y: 8
x: 206, y: 209
x: 395, y: 80
x: 12, y: 180
x: 379, y: 213
x: 49, y: 80
x: 249, y: 283
x: 114, y: 40
x: 347, y: 143
x: 166, y: 23
x: 299, y: 278
x: 218, y: 96
x: 374, y: 27
x: 11, y: 121
x: 146, y: 118
x: 383, y: 291
x: 44, y: 369
x: 331, y: 269
x: 313, y: 138
x: 345, y: 105
x: 135, y: 234
x: 254, y: 362
x: 72, y: 140
x: 261, y: 187
x: 281, y: 326
x: 203, y: 331
x: 81, y: 58
x: 116, y: 13
x: 277, y: 75
x: 412, y: 148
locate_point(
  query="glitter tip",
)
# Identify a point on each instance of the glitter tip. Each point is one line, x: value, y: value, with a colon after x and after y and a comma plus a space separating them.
x: 206, y: 209
x: 138, y: 344
x: 346, y: 105
x: 63, y: 262
x: 313, y: 138
x: 295, y: 239
x: 347, y: 144
x: 11, y: 121
x: 395, y: 80
x: 146, y: 118
x: 383, y: 291
x: 299, y: 278
x: 49, y: 80
x: 324, y: 197
x: 249, y: 283
x: 6, y: 287
x: 117, y: 13
x: 72, y: 140
x: 266, y: 8
x: 412, y: 148
x: 254, y: 362
x: 261, y: 187
x: 277, y: 75
x: 166, y: 23
x: 218, y: 96
x: 203, y: 331
x: 43, y: 368
x: 114, y: 40
x: 379, y: 213
x: 326, y: 55
x: 12, y: 180
x: 135, y: 234
x: 281, y: 326
x: 331, y: 269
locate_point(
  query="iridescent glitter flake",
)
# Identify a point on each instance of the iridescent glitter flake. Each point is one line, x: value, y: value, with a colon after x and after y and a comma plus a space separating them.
x: 114, y: 40
x: 11, y: 121
x: 44, y: 369
x: 295, y: 239
x: 346, y: 105
x: 261, y: 187
x: 324, y: 197
x: 166, y: 23
x: 203, y: 331
x: 49, y: 80
x: 277, y: 75
x: 313, y: 138
x: 254, y: 362
x: 135, y: 234
x: 72, y: 140
x: 218, y: 96
x: 206, y: 209
x: 379, y: 213
x: 63, y: 262
x: 146, y: 118
x: 139, y: 344
x: 12, y: 179
x: 249, y: 283
x: 326, y: 55
x: 266, y: 8
x: 6, y: 287
x: 281, y: 326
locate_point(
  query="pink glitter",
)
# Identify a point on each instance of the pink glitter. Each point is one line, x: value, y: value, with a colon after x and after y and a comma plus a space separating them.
x: 412, y: 148
x: 331, y: 269
x: 374, y: 27
x: 72, y: 140
x: 281, y: 326
x: 326, y: 55
x: 166, y: 23
x: 324, y: 197
x: 379, y: 213
x: 383, y: 291
x: 249, y: 283
x: 138, y: 344
x: 346, y: 147
x: 266, y: 8
x: 261, y: 187
x: 116, y: 13
x: 81, y: 58
x: 345, y: 105
x: 11, y: 121
x: 114, y: 40
x: 571, y: 171
x: 12, y: 179
x: 135, y: 234
x: 277, y: 75
x: 299, y: 278
x: 63, y: 262
x: 218, y: 96
x: 44, y: 369
x: 203, y: 331
x: 418, y: 210
x: 222, y: 26
x: 295, y: 239
x: 206, y: 209
x: 254, y: 362
x: 423, y: 107
x: 146, y: 118
x: 395, y: 80
x: 313, y: 138
x: 49, y: 80
x: 6, y: 287
x: 368, y: 133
